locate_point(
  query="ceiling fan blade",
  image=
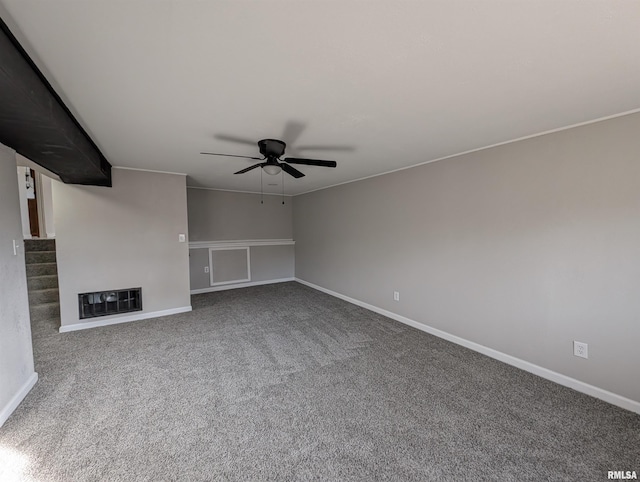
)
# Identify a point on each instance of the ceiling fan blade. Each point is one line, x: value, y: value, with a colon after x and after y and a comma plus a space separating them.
x: 291, y: 170
x: 248, y: 168
x: 231, y: 155
x: 310, y: 162
x: 326, y: 148
x: 292, y: 131
x: 237, y: 140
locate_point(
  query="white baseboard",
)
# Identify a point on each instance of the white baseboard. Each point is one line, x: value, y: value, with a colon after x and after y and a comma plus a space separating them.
x: 8, y: 409
x: 123, y: 319
x: 240, y: 285
x: 556, y: 377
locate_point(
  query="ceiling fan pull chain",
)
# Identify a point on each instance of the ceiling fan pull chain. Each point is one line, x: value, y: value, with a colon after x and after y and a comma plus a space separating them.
x: 282, y: 186
x: 261, y: 190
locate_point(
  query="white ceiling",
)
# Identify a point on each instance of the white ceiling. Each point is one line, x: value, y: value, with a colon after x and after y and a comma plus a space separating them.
x: 153, y: 81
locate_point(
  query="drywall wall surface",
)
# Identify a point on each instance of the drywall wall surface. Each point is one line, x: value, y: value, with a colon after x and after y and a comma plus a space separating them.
x: 522, y: 248
x: 16, y: 352
x: 272, y: 262
x: 230, y: 265
x: 198, y: 261
x: 226, y: 216
x: 233, y: 216
x: 123, y: 237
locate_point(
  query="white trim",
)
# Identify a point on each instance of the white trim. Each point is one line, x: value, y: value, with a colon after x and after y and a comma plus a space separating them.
x: 211, y: 267
x: 556, y: 377
x: 518, y: 139
x: 47, y: 205
x: 123, y: 319
x: 241, y: 192
x: 242, y: 285
x: 241, y: 243
x: 148, y: 170
x: 24, y: 206
x: 9, y: 408
x: 40, y: 205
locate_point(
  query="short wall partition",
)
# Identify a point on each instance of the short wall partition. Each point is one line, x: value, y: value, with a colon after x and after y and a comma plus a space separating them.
x: 219, y: 265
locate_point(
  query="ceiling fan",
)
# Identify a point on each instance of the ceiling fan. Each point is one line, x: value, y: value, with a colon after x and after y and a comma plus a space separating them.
x: 272, y: 150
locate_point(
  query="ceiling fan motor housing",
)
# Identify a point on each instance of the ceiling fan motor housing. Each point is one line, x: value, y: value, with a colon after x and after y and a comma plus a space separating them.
x: 270, y: 148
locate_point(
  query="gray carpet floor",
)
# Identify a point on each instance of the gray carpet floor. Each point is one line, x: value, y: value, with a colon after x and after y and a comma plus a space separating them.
x: 282, y: 382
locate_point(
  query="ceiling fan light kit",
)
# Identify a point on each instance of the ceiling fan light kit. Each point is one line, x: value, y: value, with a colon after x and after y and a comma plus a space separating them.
x: 271, y: 169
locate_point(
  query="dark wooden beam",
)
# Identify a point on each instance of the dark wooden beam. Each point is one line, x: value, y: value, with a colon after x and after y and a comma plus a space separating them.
x: 37, y: 124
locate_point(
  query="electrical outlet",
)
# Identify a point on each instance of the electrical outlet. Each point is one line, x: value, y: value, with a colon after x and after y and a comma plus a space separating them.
x: 206, y: 269
x: 581, y: 349
x: 182, y: 238
x: 396, y: 296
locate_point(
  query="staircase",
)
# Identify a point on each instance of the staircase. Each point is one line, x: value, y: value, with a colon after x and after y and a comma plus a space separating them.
x: 42, y: 284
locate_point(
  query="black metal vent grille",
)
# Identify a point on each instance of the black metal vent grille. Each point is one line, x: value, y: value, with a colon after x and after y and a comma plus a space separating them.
x: 112, y: 302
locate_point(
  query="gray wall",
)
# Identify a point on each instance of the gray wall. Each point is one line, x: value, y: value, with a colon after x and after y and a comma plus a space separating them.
x: 233, y: 216
x: 522, y: 248
x: 16, y: 353
x: 225, y: 216
x: 230, y: 265
x: 267, y: 263
x: 198, y: 259
x: 123, y: 237
x: 272, y: 262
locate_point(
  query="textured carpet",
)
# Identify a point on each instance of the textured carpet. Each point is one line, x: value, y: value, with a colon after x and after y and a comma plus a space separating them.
x: 282, y: 382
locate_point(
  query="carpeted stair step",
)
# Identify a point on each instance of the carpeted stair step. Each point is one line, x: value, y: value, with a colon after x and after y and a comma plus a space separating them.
x: 47, y: 311
x: 36, y: 257
x: 41, y: 269
x: 39, y: 245
x: 42, y: 282
x: 39, y: 297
